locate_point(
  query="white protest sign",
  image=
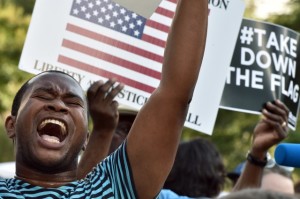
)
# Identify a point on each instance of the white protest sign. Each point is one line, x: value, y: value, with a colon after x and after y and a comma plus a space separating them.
x: 94, y: 40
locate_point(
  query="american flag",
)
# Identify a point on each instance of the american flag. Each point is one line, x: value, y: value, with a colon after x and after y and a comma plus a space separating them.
x: 106, y: 39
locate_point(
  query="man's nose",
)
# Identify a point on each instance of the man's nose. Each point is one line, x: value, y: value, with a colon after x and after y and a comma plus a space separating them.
x: 57, y: 106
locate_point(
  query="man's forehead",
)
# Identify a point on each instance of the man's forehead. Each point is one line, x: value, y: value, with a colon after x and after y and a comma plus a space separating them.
x: 53, y: 74
x: 56, y: 80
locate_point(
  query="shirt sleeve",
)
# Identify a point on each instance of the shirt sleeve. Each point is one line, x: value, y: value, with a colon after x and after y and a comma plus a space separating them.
x: 168, y: 194
x: 118, y: 168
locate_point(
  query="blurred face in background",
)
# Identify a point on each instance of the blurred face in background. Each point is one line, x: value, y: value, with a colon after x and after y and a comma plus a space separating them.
x: 277, y: 182
x: 122, y: 130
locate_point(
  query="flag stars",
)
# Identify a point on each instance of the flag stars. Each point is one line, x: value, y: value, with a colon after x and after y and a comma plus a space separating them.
x: 139, y: 22
x: 75, y: 11
x: 107, y: 17
x: 136, y: 33
x: 127, y: 18
x: 110, y: 6
x: 103, y: 10
x: 91, y: 5
x: 115, y: 13
x: 134, y: 15
x: 100, y: 20
x: 88, y: 15
x: 110, y: 15
x: 98, y: 3
x: 95, y: 13
x: 131, y: 26
x: 120, y: 21
x: 123, y: 11
x: 112, y: 24
x: 83, y: 8
x: 124, y: 28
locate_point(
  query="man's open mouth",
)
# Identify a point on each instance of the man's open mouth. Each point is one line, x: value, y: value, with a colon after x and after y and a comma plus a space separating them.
x: 52, y: 130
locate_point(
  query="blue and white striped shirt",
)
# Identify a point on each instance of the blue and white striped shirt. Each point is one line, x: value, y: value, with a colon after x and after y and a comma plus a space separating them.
x: 112, y: 178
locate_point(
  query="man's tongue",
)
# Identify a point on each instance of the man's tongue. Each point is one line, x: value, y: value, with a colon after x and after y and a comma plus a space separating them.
x: 50, y: 138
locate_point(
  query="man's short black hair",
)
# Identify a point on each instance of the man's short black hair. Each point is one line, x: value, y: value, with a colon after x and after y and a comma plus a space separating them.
x: 18, y: 98
x: 20, y: 93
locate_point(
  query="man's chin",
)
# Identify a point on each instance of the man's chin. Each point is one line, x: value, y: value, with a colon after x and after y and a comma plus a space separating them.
x: 50, y: 163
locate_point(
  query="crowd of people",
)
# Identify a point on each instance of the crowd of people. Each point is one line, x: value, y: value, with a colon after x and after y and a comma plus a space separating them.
x: 201, y: 176
x: 133, y: 154
x: 198, y: 170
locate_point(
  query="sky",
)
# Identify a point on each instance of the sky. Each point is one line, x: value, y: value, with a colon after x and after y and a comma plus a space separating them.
x: 265, y: 7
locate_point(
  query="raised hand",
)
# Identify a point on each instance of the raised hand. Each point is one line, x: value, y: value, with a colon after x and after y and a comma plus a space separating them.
x: 269, y: 131
x: 103, y: 108
x: 272, y: 128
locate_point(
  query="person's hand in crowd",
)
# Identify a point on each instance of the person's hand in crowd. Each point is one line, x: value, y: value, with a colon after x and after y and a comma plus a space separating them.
x: 103, y: 109
x: 268, y: 132
x: 272, y: 128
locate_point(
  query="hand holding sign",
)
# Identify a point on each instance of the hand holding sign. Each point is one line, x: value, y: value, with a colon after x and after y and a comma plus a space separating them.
x: 264, y: 67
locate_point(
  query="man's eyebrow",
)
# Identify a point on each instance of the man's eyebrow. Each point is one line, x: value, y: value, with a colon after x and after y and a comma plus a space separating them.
x: 73, y: 95
x: 51, y: 90
x: 45, y: 89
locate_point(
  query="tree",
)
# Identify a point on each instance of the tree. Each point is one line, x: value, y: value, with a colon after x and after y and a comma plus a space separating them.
x: 291, y: 19
x: 13, y: 27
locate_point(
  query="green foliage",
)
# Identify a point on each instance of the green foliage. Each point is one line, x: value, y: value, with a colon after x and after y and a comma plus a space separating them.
x: 6, y: 146
x: 250, y: 8
x: 26, y: 5
x: 13, y: 27
x: 289, y: 20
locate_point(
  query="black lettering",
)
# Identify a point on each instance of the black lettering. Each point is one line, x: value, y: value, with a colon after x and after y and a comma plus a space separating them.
x: 90, y: 82
x: 223, y: 4
x: 49, y: 67
x: 193, y: 119
x: 132, y: 97
x: 121, y: 95
x: 141, y: 100
x: 36, y: 65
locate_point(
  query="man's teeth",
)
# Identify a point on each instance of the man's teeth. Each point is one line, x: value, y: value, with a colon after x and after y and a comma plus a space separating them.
x: 53, y: 121
x: 51, y: 139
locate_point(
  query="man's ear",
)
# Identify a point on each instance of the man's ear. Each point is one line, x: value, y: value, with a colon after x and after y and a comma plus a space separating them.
x: 86, y: 141
x: 10, y: 126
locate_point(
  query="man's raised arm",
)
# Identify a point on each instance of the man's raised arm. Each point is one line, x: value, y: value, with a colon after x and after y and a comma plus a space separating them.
x: 154, y: 137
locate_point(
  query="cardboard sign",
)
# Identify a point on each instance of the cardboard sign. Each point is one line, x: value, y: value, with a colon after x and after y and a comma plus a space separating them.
x: 265, y: 66
x: 93, y: 40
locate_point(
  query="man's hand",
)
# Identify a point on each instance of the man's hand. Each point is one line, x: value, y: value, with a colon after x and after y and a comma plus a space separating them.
x: 104, y: 112
x: 272, y: 128
x: 102, y: 106
x: 269, y: 131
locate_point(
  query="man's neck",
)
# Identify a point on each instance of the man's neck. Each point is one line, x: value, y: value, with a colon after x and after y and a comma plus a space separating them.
x: 42, y: 179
